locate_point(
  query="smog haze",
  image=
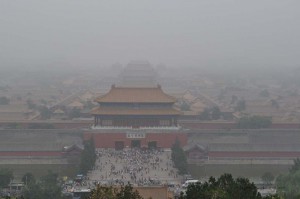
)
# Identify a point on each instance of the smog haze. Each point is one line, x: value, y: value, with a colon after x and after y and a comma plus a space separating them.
x: 217, y: 34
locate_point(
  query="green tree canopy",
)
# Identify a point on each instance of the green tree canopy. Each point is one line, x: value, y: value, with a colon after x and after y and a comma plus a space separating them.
x: 296, y: 166
x: 234, y: 99
x: 179, y: 158
x: 5, y: 177
x: 288, y: 184
x: 47, y: 188
x: 88, y: 157
x: 240, y: 105
x: 104, y: 192
x: 74, y: 113
x: 30, y: 104
x: 264, y: 93
x: 127, y: 192
x: 205, y: 115
x: 225, y: 187
x: 4, y: 101
x: 184, y: 106
x: 212, y: 113
x: 28, y: 178
x: 215, y: 113
x: 45, y: 112
x: 254, y: 122
x: 267, y: 178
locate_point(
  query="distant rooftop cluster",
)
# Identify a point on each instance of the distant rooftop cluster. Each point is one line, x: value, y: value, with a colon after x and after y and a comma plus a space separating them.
x: 138, y: 74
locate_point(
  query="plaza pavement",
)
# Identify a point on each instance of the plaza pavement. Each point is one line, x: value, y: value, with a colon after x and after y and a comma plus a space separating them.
x: 139, y: 167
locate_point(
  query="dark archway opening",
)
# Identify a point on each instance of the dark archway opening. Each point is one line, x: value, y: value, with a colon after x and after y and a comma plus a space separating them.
x: 119, y: 145
x: 135, y: 143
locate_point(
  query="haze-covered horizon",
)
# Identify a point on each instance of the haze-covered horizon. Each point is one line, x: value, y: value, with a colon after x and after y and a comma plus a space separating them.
x: 205, y: 34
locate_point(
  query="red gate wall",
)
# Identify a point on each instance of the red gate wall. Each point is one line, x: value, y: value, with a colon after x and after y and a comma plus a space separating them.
x: 164, y: 140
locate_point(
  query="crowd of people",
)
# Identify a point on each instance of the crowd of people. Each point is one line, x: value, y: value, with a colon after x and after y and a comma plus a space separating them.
x: 137, y: 166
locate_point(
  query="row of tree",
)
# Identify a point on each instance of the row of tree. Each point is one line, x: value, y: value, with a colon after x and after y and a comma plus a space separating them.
x: 224, y: 187
x: 4, y: 101
x: 254, y: 122
x: 179, y: 158
x: 47, y: 187
x: 88, y: 157
x: 288, y: 185
x: 105, y: 192
x: 212, y: 113
x: 6, y: 175
x: 47, y: 113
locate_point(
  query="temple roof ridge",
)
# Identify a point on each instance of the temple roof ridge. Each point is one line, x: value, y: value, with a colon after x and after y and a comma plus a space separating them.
x: 119, y: 94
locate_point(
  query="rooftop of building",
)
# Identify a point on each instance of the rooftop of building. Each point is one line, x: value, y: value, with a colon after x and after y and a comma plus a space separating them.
x: 136, y: 95
x: 134, y: 111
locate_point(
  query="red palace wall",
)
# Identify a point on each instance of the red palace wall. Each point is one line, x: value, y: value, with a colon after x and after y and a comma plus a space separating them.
x: 231, y: 125
x: 185, y: 124
x: 207, y: 125
x: 164, y: 140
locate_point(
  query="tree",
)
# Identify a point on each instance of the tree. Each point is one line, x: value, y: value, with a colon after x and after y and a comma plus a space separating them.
x: 30, y: 104
x: 264, y: 93
x: 5, y: 177
x: 46, y: 188
x: 88, y: 157
x: 205, y: 115
x: 241, y: 105
x: 33, y: 191
x: 215, y: 113
x: 128, y: 193
x: 28, y: 178
x: 4, y: 101
x: 89, y: 105
x: 267, y: 178
x: 179, y: 157
x: 45, y: 112
x: 74, y: 113
x: 43, y: 102
x: 103, y: 192
x: 276, y: 196
x: 50, y: 185
x: 288, y: 184
x: 185, y: 106
x: 211, y: 113
x: 234, y: 99
x: 225, y: 187
x: 275, y: 103
x: 125, y: 192
x: 254, y: 122
x: 296, y: 166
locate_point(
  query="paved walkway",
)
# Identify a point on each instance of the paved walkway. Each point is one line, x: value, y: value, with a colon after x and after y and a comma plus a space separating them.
x: 139, y: 167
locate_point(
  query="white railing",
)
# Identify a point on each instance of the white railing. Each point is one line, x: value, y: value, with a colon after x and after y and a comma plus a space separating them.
x: 138, y: 128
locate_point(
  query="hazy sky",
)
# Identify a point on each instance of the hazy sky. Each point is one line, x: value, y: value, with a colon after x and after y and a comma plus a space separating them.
x: 202, y: 33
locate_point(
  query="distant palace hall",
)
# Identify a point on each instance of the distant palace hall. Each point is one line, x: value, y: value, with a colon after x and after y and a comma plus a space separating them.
x: 135, y: 107
x: 136, y: 113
